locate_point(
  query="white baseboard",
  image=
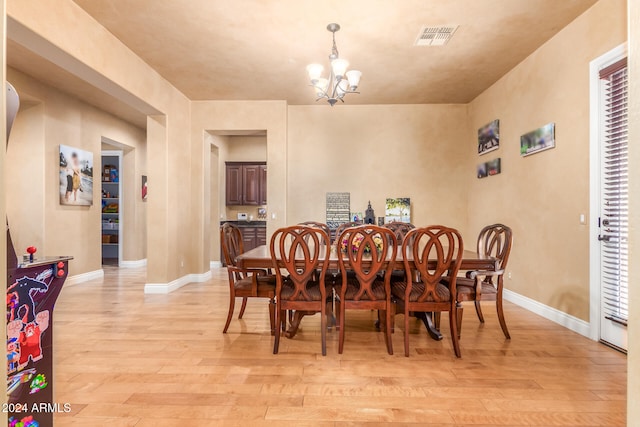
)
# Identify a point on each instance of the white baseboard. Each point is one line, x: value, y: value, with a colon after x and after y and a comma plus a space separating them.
x: 85, y: 277
x: 165, y: 288
x: 134, y: 264
x: 215, y: 264
x: 553, y: 314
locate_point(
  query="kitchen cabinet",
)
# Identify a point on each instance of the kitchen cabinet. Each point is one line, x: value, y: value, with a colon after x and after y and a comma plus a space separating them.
x: 246, y: 183
x: 263, y: 185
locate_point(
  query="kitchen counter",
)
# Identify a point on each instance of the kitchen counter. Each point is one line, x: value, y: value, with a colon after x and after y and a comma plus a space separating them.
x: 246, y: 223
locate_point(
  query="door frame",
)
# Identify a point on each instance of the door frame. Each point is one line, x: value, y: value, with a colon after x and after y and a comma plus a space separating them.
x: 118, y: 154
x: 595, y: 130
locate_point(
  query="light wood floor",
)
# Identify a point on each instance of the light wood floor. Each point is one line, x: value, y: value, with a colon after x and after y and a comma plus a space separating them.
x: 128, y: 359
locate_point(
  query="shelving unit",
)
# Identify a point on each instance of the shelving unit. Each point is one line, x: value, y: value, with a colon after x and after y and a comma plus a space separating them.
x: 111, y: 207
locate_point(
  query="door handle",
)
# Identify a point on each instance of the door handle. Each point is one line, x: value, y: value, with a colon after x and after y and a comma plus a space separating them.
x: 604, y: 238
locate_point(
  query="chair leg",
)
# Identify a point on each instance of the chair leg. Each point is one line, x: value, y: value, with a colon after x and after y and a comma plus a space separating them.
x: 387, y: 330
x: 330, y: 315
x: 459, y: 311
x: 244, y: 305
x: 479, y: 311
x: 341, y: 334
x: 436, y: 319
x: 453, y: 327
x: 276, y: 341
x: 323, y: 329
x: 232, y: 304
x: 406, y: 331
x: 272, y: 316
x: 503, y: 323
x: 337, y: 305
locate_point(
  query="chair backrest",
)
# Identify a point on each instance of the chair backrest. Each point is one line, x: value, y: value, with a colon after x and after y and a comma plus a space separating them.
x: 301, y: 251
x: 231, y: 240
x: 324, y: 227
x: 400, y: 229
x: 368, y: 251
x: 496, y: 240
x: 341, y: 228
x: 443, y: 248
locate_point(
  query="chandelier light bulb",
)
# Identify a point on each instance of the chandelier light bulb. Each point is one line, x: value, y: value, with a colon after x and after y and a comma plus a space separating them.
x: 339, y: 67
x: 321, y: 86
x: 315, y: 71
x: 354, y: 78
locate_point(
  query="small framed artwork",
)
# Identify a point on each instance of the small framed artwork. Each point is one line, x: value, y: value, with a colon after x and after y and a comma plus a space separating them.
x: 398, y: 210
x: 493, y: 167
x: 490, y: 168
x: 76, y: 176
x: 538, y: 140
x: 144, y: 187
x: 489, y: 137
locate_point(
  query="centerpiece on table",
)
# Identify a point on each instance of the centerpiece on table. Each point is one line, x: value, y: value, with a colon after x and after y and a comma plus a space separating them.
x: 357, y: 241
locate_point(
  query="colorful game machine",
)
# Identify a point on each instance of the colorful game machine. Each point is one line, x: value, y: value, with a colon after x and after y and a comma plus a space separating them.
x: 33, y: 285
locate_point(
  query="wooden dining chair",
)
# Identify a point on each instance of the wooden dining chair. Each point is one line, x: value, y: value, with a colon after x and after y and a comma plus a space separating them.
x: 370, y: 250
x: 493, y: 241
x: 300, y: 251
x: 336, y: 240
x: 400, y: 229
x: 333, y: 303
x: 423, y: 290
x: 321, y: 225
x: 244, y: 283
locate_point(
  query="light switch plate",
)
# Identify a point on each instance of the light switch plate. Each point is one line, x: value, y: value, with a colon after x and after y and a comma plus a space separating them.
x: 242, y: 216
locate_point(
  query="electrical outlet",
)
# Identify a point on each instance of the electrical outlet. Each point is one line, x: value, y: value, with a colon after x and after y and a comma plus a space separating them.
x: 509, y: 275
x: 182, y: 265
x: 273, y: 215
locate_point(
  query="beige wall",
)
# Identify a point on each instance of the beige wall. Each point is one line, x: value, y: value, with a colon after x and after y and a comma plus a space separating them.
x: 207, y: 117
x: 375, y: 152
x: 50, y: 29
x: 633, y: 365
x: 542, y: 196
x: 47, y: 119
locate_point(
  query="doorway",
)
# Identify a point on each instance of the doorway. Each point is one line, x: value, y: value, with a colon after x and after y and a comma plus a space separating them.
x: 111, y: 205
x: 609, y: 199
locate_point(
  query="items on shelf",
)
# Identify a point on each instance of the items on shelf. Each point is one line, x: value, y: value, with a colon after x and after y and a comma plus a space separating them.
x: 110, y: 173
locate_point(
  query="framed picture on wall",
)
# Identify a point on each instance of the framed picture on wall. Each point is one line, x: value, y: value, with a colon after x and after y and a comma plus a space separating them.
x: 538, y: 140
x: 76, y: 176
x: 489, y: 137
x: 144, y: 187
x: 398, y: 209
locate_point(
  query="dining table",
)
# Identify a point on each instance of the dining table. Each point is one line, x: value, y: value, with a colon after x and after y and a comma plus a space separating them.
x: 260, y: 258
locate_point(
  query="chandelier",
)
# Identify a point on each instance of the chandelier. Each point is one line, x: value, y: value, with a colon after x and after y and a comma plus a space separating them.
x: 340, y: 81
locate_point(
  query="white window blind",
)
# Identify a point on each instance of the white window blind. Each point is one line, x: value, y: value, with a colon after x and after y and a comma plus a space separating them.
x: 614, y: 222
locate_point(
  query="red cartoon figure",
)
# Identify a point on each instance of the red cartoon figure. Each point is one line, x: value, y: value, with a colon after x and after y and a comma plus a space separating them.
x: 29, y: 339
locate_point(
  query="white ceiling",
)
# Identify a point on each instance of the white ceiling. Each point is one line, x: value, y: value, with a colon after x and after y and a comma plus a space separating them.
x: 258, y: 49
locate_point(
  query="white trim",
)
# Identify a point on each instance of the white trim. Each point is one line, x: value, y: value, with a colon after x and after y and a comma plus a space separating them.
x: 553, y: 314
x: 134, y: 264
x: 595, y: 130
x: 85, y: 277
x: 165, y: 288
x: 215, y: 264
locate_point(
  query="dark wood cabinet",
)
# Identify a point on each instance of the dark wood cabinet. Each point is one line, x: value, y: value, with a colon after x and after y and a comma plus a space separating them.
x: 246, y: 183
x: 233, y: 185
x: 251, y: 184
x: 263, y: 185
x: 261, y: 236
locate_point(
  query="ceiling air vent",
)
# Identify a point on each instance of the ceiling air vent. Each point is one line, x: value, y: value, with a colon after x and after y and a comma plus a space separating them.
x: 435, y: 36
